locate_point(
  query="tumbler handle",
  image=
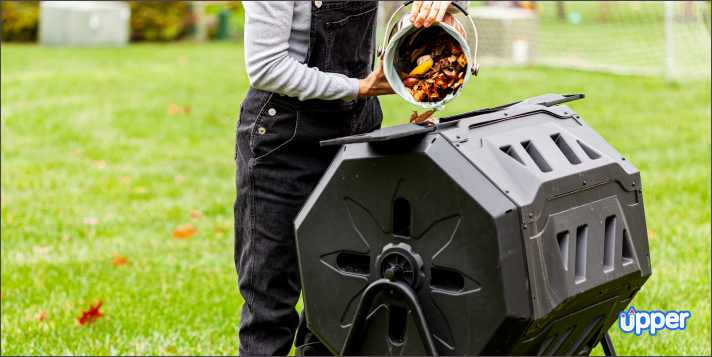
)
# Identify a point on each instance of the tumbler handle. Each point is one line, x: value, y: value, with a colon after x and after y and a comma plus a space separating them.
x: 382, y: 48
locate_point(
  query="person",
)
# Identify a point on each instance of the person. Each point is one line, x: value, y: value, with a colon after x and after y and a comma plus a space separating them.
x: 309, y: 66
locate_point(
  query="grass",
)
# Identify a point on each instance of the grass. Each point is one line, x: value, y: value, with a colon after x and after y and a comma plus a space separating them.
x: 77, y: 122
x: 613, y: 37
x: 631, y: 39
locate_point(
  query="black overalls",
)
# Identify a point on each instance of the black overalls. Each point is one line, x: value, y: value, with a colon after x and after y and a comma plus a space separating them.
x: 279, y: 162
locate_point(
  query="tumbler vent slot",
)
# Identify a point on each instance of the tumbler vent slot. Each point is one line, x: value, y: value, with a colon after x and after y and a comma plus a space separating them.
x: 609, y: 244
x: 627, y: 254
x: 401, y: 218
x: 513, y: 154
x: 592, y: 154
x: 584, y: 335
x: 446, y: 280
x: 536, y: 156
x: 563, y: 240
x: 396, y: 324
x: 581, y: 240
x: 560, y: 341
x: 565, y: 149
x: 546, y: 344
x: 594, y: 340
x: 354, y: 263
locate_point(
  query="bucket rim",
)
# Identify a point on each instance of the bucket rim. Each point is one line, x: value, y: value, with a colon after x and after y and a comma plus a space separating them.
x: 391, y: 74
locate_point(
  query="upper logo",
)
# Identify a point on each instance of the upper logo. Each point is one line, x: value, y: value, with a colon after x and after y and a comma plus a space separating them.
x: 653, y: 321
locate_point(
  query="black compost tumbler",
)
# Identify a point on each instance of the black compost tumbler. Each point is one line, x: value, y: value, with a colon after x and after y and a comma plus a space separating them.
x: 515, y: 230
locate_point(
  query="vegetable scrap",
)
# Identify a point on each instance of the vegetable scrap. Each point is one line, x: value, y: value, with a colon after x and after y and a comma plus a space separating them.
x: 415, y: 118
x: 434, y: 65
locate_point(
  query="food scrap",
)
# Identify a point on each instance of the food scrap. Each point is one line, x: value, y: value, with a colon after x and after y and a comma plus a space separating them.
x: 434, y: 66
x: 415, y: 118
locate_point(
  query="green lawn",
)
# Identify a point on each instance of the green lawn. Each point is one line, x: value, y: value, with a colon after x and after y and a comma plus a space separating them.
x: 627, y: 37
x: 77, y: 122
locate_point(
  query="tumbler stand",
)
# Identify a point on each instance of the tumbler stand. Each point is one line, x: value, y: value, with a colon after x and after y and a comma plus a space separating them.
x: 607, y: 345
x: 420, y: 321
x: 365, y: 305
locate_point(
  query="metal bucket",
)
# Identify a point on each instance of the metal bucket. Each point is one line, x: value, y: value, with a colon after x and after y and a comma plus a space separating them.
x: 401, y: 30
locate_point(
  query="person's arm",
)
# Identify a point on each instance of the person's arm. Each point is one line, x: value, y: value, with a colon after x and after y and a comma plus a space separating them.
x: 270, y: 68
x: 375, y: 84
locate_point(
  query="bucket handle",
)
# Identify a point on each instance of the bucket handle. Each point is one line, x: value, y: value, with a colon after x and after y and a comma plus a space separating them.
x: 475, y: 67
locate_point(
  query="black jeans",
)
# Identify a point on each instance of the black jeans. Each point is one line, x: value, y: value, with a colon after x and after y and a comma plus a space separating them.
x: 279, y: 162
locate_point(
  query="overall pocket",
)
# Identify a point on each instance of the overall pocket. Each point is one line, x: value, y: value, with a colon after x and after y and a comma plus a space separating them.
x: 366, y: 116
x: 275, y: 127
x: 350, y: 45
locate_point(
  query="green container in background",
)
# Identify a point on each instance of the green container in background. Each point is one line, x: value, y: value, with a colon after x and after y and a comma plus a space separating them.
x: 223, y: 25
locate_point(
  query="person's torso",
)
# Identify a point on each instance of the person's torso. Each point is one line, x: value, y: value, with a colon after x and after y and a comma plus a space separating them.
x: 341, y: 40
x: 342, y: 37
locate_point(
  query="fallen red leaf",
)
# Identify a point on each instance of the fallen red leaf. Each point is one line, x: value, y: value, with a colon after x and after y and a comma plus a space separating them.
x: 119, y: 260
x: 652, y: 234
x: 43, y: 250
x: 173, y: 109
x: 219, y: 232
x: 90, y: 316
x: 42, y: 316
x: 184, y: 232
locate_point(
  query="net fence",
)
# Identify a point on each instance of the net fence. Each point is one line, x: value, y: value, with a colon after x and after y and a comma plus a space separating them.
x: 645, y: 38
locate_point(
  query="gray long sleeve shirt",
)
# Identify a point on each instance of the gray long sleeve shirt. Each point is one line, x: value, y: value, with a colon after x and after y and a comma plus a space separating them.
x: 276, y: 44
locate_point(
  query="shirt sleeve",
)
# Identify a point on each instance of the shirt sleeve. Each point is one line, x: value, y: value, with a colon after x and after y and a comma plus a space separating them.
x: 270, y: 68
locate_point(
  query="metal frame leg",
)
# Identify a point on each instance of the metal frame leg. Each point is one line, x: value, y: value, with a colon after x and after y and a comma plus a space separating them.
x: 607, y: 345
x: 365, y: 305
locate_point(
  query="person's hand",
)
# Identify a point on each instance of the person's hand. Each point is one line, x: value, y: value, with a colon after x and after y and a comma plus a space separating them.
x: 375, y: 84
x: 426, y: 12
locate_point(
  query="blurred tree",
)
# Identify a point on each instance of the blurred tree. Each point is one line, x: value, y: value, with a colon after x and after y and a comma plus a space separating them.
x: 201, y: 28
x: 150, y: 20
x: 560, y: 10
x: 159, y: 20
x: 19, y: 20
